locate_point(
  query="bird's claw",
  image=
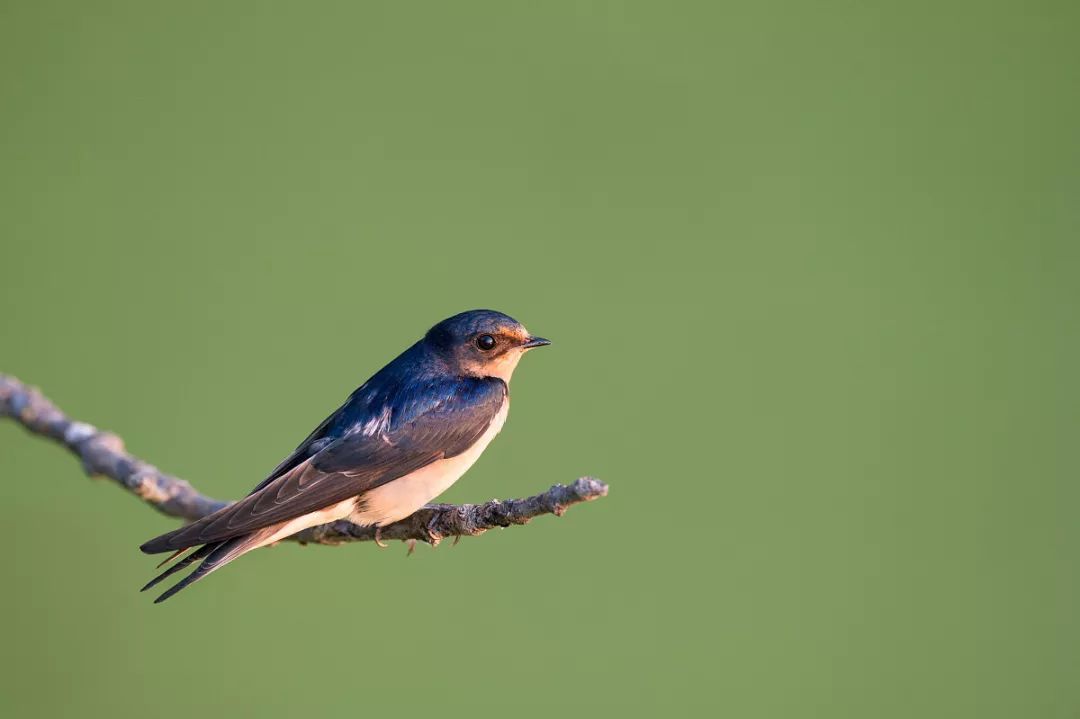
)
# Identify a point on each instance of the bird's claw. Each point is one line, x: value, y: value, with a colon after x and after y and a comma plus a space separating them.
x: 378, y: 538
x: 433, y: 537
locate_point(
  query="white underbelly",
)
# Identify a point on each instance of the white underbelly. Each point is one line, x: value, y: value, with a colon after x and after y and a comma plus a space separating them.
x: 398, y: 499
x: 277, y: 532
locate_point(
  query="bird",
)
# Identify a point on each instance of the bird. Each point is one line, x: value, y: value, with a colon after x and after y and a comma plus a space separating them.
x: 399, y: 440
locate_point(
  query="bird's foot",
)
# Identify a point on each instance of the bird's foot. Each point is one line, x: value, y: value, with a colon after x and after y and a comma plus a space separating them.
x: 378, y: 538
x: 433, y: 537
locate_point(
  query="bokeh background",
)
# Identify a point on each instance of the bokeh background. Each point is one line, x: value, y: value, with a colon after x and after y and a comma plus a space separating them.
x: 810, y: 268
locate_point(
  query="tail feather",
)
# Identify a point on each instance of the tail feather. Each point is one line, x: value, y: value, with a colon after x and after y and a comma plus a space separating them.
x: 214, y: 556
x: 194, y: 556
x: 172, y: 556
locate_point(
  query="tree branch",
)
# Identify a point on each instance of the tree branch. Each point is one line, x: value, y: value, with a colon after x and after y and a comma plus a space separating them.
x: 103, y: 454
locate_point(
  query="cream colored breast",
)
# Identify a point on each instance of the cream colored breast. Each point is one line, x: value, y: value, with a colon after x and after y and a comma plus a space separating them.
x: 332, y: 513
x: 403, y: 496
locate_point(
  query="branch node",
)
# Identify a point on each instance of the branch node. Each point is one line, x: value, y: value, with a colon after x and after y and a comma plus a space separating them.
x: 110, y: 442
x: 79, y: 432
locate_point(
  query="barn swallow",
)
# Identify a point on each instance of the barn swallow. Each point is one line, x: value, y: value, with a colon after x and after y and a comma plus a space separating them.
x: 399, y: 441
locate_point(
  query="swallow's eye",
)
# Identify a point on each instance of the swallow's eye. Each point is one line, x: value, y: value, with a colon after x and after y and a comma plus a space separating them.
x: 485, y: 342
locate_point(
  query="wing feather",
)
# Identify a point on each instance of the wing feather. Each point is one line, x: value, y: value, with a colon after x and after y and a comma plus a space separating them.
x: 428, y: 423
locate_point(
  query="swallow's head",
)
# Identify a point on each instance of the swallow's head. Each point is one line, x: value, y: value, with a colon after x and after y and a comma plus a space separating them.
x: 482, y: 343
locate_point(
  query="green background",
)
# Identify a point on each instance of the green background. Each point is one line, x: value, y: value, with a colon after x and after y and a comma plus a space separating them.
x: 810, y: 269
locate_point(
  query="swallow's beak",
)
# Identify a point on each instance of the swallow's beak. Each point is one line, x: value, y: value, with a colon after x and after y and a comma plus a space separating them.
x: 534, y: 342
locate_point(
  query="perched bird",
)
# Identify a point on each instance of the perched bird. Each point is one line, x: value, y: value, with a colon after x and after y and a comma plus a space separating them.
x: 399, y: 441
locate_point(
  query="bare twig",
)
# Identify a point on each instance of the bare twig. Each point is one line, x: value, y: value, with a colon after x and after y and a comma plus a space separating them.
x: 103, y: 454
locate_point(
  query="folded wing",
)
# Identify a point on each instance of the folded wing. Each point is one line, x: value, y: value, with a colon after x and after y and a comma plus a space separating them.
x: 422, y: 424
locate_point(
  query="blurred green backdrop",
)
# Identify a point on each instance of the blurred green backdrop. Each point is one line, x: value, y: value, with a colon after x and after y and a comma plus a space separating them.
x: 811, y: 272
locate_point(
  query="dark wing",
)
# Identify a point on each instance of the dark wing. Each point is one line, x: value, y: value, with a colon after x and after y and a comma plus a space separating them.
x: 429, y: 422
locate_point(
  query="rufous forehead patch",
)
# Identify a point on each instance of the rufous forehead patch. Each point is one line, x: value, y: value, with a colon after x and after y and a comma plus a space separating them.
x: 514, y: 334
